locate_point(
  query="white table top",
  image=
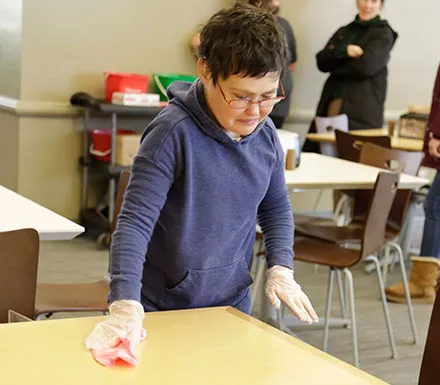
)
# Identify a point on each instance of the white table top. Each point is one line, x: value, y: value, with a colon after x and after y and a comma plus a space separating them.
x: 17, y: 212
x: 318, y: 171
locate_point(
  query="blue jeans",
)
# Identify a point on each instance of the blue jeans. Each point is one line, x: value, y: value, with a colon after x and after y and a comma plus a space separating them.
x: 431, y: 230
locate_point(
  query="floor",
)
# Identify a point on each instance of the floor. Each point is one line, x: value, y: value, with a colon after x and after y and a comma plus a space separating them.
x: 80, y: 261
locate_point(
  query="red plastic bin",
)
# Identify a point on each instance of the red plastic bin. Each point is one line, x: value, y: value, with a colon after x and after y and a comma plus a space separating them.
x: 101, y: 140
x: 123, y: 82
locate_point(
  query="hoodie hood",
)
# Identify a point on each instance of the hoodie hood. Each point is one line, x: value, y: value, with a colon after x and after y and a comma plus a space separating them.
x: 191, y: 98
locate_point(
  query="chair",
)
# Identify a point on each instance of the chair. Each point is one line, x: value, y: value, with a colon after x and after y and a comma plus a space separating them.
x: 330, y: 124
x: 19, y: 251
x: 429, y: 371
x: 378, y: 157
x: 341, y: 259
x: 349, y: 145
x: 54, y: 298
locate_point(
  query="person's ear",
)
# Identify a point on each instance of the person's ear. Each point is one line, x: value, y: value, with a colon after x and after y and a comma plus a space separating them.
x: 203, y: 72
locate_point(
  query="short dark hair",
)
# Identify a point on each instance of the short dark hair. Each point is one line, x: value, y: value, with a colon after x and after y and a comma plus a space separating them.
x: 261, y: 3
x: 244, y: 40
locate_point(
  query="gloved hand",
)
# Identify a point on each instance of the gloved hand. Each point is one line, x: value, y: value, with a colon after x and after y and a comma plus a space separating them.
x: 123, y: 324
x: 281, y: 287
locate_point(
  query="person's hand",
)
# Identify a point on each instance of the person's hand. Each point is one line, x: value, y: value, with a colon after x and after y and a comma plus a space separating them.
x: 354, y: 51
x: 281, y: 287
x: 433, y: 146
x: 123, y: 323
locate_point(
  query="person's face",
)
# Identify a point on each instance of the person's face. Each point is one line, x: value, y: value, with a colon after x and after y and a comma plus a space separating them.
x: 275, y: 5
x: 242, y: 121
x: 369, y: 9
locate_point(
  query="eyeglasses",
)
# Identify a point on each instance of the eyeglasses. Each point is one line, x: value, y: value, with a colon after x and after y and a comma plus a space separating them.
x: 238, y: 104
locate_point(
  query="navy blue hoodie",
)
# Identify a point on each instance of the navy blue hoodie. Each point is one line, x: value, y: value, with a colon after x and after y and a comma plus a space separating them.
x: 185, y: 234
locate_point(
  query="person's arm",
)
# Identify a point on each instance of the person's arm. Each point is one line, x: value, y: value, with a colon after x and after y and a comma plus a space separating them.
x: 154, y: 169
x: 291, y: 44
x: 375, y: 57
x: 434, y: 116
x: 275, y: 217
x: 332, y: 55
x: 153, y: 172
x: 276, y: 221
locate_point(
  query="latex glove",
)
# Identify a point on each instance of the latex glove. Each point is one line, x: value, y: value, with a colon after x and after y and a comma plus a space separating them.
x: 123, y: 324
x: 281, y: 287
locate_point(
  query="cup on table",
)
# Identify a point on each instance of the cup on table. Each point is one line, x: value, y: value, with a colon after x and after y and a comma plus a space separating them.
x: 291, y: 159
x: 391, y: 127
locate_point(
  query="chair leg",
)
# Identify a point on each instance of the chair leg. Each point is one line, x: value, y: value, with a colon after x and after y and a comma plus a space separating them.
x: 412, y: 321
x: 385, y: 309
x: 261, y: 267
x: 341, y: 294
x: 328, y: 308
x: 349, y: 281
x: 318, y: 199
x: 259, y: 271
x: 386, y: 260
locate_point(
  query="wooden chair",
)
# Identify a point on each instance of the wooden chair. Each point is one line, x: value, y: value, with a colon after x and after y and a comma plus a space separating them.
x: 352, y: 233
x: 341, y: 259
x: 349, y: 145
x: 429, y: 371
x: 54, y: 298
x: 19, y: 251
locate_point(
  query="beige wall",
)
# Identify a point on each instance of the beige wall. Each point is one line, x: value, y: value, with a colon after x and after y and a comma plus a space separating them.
x: 66, y: 47
x: 90, y: 37
x: 48, y: 155
x: 414, y: 61
x: 10, y: 47
x: 9, y: 150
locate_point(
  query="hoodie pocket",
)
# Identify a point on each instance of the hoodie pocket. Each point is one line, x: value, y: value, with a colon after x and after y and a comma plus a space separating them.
x: 219, y: 286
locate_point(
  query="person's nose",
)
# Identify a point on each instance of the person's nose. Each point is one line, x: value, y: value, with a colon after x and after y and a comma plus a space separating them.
x: 253, y: 109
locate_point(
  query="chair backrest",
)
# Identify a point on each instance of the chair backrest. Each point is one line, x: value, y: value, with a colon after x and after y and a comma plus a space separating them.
x: 122, y: 186
x: 349, y: 145
x: 379, y: 208
x: 430, y: 370
x: 330, y: 124
x: 409, y: 163
x: 19, y: 251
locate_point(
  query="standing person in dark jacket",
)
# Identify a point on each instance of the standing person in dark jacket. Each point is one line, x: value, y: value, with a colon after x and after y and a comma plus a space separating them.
x: 423, y: 281
x: 356, y: 57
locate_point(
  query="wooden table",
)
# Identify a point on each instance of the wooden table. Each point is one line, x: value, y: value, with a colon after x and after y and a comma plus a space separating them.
x: 396, y: 143
x: 204, y: 346
x: 17, y: 212
x: 318, y: 171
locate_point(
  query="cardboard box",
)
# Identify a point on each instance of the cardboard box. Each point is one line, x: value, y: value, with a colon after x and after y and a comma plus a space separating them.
x: 127, y: 147
x: 413, y: 125
x: 131, y: 99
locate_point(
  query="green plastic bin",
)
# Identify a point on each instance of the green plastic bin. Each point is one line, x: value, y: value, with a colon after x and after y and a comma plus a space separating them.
x: 162, y: 81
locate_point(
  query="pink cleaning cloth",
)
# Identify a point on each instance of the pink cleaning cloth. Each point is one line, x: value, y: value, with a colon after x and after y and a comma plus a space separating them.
x: 123, y: 352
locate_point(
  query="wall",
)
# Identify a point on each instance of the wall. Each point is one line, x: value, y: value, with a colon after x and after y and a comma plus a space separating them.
x: 10, y: 47
x: 90, y: 37
x: 66, y: 46
x: 414, y: 61
x: 8, y: 150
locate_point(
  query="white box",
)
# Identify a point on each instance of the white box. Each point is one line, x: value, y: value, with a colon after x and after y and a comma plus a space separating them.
x: 130, y: 99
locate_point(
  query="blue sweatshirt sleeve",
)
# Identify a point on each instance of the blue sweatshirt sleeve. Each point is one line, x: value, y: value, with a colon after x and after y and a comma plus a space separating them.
x: 153, y: 172
x: 275, y: 217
